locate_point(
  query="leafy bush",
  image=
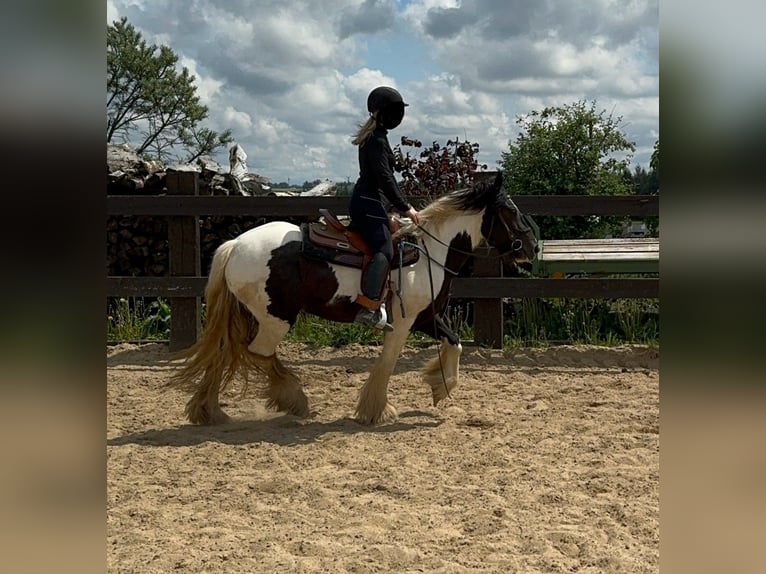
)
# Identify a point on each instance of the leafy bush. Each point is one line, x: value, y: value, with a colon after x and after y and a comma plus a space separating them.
x: 437, y: 169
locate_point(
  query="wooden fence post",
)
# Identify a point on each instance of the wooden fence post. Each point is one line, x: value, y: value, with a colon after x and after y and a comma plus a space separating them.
x: 185, y: 260
x: 487, y: 313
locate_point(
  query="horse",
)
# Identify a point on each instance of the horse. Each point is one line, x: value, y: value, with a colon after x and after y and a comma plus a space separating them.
x: 260, y: 281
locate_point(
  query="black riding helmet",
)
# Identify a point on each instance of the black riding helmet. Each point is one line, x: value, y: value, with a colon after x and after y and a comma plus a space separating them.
x: 389, y: 104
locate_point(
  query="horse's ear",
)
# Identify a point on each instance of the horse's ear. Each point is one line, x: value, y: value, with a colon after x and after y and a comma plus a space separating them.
x: 498, y: 183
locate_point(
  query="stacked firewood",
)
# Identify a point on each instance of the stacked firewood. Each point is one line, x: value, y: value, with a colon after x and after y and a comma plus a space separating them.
x: 138, y: 245
x: 129, y: 174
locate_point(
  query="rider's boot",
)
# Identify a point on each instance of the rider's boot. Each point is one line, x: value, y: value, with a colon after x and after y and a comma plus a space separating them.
x: 373, y: 311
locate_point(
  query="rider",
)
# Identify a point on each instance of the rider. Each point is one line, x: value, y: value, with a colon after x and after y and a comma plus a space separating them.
x: 376, y: 190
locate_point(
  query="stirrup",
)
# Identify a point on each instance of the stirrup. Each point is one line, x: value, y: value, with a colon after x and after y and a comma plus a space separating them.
x: 376, y: 319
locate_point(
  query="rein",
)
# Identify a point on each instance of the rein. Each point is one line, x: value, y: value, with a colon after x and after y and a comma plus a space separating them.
x: 433, y: 312
x: 424, y: 250
x: 516, y: 245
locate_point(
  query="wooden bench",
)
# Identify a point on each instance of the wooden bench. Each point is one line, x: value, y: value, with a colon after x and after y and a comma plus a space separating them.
x: 559, y: 258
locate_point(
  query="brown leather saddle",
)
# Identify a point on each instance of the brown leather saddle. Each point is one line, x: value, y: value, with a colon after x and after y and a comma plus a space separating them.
x: 330, y: 240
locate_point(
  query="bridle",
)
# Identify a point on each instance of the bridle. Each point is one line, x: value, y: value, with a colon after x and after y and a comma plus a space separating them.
x: 516, y: 243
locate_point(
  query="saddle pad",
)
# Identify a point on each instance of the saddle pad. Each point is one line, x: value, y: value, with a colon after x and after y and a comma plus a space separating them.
x: 320, y: 244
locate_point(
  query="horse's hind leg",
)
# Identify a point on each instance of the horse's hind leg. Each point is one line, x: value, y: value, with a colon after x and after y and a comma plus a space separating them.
x: 284, y: 391
x: 203, y: 407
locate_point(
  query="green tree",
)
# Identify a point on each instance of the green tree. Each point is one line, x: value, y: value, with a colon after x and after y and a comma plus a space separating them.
x: 645, y: 182
x: 150, y: 102
x: 569, y: 150
x: 309, y: 184
x: 203, y: 141
x: 653, y: 223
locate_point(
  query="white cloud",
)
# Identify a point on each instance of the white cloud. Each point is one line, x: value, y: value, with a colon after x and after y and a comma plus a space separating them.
x: 291, y: 77
x: 207, y: 87
x: 112, y: 13
x: 362, y: 79
x: 238, y: 121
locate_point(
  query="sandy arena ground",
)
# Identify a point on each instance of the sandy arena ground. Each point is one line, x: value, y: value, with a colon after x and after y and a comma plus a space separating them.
x: 542, y: 461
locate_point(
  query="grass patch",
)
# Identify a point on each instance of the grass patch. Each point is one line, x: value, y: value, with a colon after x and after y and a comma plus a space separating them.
x: 604, y: 322
x: 137, y: 319
x: 528, y: 322
x: 324, y: 333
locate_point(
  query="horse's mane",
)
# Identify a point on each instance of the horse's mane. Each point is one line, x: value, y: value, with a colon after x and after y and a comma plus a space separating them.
x: 465, y: 200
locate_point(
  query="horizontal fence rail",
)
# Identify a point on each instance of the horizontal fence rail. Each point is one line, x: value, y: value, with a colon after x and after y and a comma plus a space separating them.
x: 182, y: 206
x: 523, y: 288
x: 165, y: 205
x: 462, y: 287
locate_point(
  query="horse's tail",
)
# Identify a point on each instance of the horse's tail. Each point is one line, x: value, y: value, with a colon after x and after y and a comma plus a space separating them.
x: 221, y: 352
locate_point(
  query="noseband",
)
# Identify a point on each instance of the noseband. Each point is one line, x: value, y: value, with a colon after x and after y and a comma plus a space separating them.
x: 516, y: 243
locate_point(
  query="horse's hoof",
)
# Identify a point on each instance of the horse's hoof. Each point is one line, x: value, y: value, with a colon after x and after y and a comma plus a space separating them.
x: 387, y: 415
x: 205, y: 418
x: 201, y: 413
x: 219, y: 418
x: 297, y: 405
x: 439, y: 393
x: 301, y: 411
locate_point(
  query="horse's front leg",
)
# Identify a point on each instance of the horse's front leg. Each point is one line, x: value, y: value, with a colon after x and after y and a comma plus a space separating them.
x: 373, y: 407
x: 443, y: 371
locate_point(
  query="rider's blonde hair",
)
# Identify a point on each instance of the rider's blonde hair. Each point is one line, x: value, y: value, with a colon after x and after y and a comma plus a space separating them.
x: 365, y: 130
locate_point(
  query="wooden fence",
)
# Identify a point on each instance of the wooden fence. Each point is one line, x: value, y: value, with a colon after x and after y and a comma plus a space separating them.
x: 184, y: 287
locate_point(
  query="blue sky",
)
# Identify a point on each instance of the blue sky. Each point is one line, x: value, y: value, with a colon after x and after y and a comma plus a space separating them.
x: 399, y: 55
x: 290, y: 77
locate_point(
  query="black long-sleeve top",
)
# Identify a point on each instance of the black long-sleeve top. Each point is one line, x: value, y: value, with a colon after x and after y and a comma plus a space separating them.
x: 376, y: 172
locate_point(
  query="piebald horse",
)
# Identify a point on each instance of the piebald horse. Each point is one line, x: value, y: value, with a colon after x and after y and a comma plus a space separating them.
x: 259, y: 282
